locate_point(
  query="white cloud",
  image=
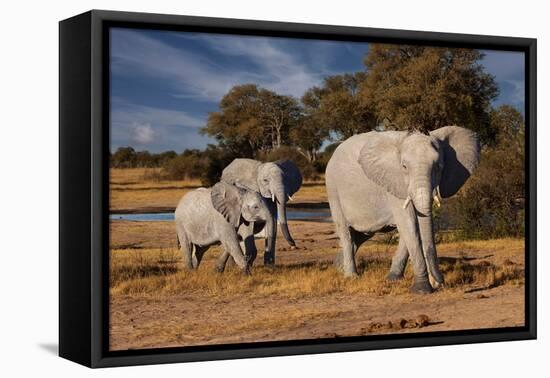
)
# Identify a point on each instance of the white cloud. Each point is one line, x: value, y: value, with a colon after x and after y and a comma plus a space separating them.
x: 142, y: 133
x: 152, y: 128
x: 198, y: 77
x: 124, y: 113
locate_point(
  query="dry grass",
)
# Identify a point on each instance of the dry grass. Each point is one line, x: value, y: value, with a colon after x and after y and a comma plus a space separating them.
x: 159, y: 272
x: 155, y: 302
x: 144, y: 188
x: 135, y: 188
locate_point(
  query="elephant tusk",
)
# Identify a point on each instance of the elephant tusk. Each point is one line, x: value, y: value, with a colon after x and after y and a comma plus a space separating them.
x: 437, y: 197
x: 289, y: 197
x: 407, y: 201
x: 437, y: 201
x: 272, y: 197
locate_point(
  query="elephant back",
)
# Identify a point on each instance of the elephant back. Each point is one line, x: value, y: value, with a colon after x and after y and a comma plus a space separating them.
x: 242, y: 173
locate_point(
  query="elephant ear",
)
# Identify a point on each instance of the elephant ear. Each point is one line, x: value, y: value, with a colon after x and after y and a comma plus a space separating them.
x: 460, y: 157
x: 291, y: 175
x: 227, y: 200
x: 242, y: 173
x: 380, y: 159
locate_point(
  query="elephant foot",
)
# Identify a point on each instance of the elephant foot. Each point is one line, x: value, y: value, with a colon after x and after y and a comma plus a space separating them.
x: 421, y: 287
x: 247, y: 271
x: 339, y: 262
x: 269, y: 261
x: 219, y: 269
x: 352, y: 275
x: 394, y: 277
x: 435, y: 283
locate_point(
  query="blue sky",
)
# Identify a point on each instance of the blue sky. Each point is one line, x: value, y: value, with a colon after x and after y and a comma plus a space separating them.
x: 164, y: 84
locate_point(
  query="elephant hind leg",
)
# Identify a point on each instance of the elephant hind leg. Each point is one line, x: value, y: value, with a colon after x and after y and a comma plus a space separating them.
x: 357, y: 239
x: 198, y: 253
x: 346, y: 260
x: 186, y: 249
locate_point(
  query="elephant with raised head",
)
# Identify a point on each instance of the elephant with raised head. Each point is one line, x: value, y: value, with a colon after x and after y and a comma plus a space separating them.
x: 381, y: 180
x: 276, y: 181
x: 222, y: 214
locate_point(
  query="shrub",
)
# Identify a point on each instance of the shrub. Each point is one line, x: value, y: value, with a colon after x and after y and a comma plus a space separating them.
x: 492, y: 204
x: 188, y: 165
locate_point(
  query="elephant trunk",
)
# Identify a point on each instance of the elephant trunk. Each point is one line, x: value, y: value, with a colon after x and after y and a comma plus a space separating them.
x: 271, y: 233
x: 423, y: 206
x: 281, y: 198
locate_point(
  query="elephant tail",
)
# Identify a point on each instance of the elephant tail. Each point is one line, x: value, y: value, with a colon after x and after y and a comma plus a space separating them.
x: 178, y: 241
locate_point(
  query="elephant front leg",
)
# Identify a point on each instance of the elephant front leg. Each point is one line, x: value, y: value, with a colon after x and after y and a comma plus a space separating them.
x: 222, y: 261
x: 399, y: 261
x: 405, y: 220
x: 231, y: 246
x: 248, y: 245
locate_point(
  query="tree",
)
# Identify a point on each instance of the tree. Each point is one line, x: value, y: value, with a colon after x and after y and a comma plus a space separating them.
x: 493, y: 205
x: 308, y: 137
x: 509, y: 126
x: 252, y: 119
x: 124, y: 157
x: 237, y: 126
x: 424, y: 88
x: 337, y: 107
x: 278, y: 114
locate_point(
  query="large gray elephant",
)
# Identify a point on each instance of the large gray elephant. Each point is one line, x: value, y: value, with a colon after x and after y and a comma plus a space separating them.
x: 377, y: 181
x: 222, y: 214
x: 276, y: 181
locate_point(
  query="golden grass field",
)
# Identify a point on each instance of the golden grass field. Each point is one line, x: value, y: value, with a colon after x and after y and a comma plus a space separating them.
x: 132, y: 190
x: 155, y: 302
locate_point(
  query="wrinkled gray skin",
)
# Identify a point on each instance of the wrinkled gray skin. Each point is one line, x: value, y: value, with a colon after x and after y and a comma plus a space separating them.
x: 377, y: 181
x: 222, y: 214
x: 275, y: 181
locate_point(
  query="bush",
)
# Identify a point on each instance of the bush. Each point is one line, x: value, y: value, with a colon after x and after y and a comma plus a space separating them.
x: 321, y: 163
x: 215, y: 160
x: 492, y: 204
x: 188, y: 165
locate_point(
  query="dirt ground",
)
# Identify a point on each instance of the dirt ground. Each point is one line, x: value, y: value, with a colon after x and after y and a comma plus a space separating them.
x: 156, y: 303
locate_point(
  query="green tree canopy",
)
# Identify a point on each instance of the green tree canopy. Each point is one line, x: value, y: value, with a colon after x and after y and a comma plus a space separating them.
x: 492, y: 203
x: 252, y: 119
x: 424, y: 88
x: 336, y: 106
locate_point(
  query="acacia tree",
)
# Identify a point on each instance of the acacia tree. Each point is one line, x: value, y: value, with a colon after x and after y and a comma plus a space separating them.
x: 424, y: 88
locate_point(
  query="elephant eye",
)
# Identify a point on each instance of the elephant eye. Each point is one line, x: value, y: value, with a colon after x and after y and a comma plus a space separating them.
x: 404, y: 166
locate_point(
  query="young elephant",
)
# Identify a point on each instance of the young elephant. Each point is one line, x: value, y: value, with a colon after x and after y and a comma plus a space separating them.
x: 222, y: 214
x: 276, y: 181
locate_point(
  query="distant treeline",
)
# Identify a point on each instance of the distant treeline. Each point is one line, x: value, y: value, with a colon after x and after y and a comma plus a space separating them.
x: 401, y: 88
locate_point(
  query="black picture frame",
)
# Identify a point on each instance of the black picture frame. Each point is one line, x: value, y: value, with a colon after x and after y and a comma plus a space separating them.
x: 84, y: 188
